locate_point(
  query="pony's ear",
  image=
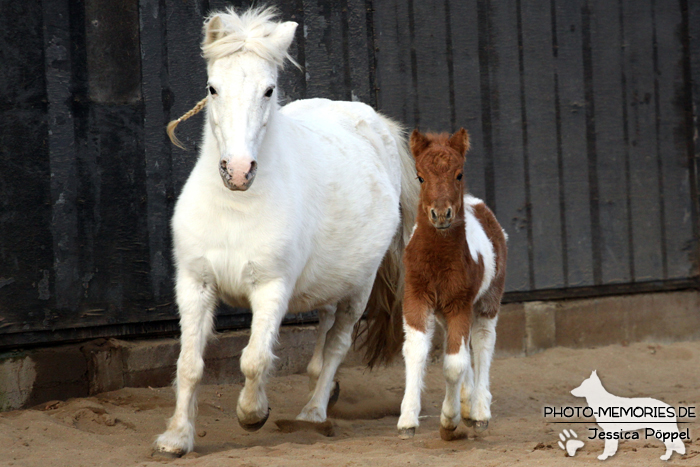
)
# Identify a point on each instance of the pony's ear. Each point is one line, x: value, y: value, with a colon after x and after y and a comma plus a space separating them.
x: 283, y: 34
x: 460, y: 141
x: 418, y: 142
x: 213, y: 29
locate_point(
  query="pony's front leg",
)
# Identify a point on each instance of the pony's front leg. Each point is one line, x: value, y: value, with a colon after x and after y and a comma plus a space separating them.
x: 196, y: 299
x: 338, y: 341
x: 455, y: 364
x: 326, y: 318
x: 483, y: 339
x: 418, y: 326
x: 269, y: 305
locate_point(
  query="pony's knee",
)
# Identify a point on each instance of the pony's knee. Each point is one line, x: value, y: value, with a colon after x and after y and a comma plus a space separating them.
x: 190, y: 369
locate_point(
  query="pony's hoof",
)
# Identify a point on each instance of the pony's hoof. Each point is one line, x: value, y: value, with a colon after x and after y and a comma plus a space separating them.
x: 160, y: 454
x: 469, y: 422
x: 481, y: 426
x: 257, y: 425
x: 334, y: 396
x: 451, y: 434
x: 407, y: 433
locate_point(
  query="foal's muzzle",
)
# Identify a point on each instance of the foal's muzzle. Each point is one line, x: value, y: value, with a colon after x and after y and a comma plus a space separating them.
x: 441, y: 219
x: 238, y: 175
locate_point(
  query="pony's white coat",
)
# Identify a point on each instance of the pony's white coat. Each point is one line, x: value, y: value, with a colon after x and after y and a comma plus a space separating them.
x: 309, y: 232
x: 479, y: 244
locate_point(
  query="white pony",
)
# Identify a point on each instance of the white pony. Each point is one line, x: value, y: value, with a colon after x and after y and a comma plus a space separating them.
x: 287, y: 210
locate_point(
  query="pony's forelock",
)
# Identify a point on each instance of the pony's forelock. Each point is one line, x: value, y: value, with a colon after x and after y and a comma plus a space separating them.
x: 247, y: 32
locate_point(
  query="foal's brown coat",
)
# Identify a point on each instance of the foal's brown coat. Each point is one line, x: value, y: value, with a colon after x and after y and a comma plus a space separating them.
x: 441, y: 274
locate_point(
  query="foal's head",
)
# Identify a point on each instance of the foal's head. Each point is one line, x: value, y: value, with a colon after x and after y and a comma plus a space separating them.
x: 440, y: 165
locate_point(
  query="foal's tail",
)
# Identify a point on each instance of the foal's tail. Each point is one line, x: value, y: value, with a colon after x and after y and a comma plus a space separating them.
x: 381, y: 336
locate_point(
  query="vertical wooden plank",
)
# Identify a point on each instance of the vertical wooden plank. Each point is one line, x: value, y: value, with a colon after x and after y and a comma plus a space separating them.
x: 464, y: 21
x: 641, y: 140
x: 64, y: 180
x: 26, y: 243
x: 677, y: 207
x: 572, y: 129
x: 358, y: 46
x: 610, y: 164
x: 431, y: 60
x: 690, y: 30
x: 292, y: 81
x: 542, y: 144
x: 501, y: 31
x: 396, y: 94
x: 325, y: 65
x: 187, y: 81
x: 157, y: 147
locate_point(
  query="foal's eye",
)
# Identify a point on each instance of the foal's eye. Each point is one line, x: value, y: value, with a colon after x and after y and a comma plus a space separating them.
x: 420, y: 179
x: 212, y: 91
x: 459, y: 177
x: 269, y: 91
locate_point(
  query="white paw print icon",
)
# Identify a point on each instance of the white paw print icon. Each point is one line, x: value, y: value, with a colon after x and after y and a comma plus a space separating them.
x: 569, y: 443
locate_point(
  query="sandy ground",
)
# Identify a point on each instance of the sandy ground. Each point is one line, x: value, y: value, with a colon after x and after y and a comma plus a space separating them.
x: 118, y: 428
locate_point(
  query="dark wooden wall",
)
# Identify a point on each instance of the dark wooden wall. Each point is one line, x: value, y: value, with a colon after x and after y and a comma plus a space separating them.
x: 580, y: 114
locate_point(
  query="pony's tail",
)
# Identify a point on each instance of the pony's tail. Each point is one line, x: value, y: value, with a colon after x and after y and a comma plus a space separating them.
x: 381, y: 335
x: 173, y: 124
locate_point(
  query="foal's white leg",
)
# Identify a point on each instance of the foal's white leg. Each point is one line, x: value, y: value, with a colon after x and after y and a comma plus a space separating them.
x: 465, y: 395
x: 269, y: 304
x: 338, y: 341
x: 454, y: 368
x: 416, y: 347
x: 196, y: 299
x: 326, y: 317
x: 483, y: 342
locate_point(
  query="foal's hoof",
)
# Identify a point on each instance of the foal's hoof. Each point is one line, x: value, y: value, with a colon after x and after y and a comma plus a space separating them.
x: 334, y: 396
x: 257, y: 425
x: 407, y: 433
x: 469, y: 422
x: 481, y: 426
x: 160, y: 454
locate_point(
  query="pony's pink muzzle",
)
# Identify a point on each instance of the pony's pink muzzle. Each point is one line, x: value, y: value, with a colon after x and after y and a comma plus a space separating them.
x: 238, y: 174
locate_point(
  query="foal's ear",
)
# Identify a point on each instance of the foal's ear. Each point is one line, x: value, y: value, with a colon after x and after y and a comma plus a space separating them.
x: 418, y: 142
x: 460, y: 141
x: 283, y: 34
x: 213, y: 29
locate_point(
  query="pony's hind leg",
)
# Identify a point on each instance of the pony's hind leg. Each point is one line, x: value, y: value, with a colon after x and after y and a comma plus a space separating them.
x: 196, y: 299
x: 465, y: 393
x: 326, y: 318
x: 418, y: 336
x: 483, y: 338
x: 269, y: 304
x: 338, y: 341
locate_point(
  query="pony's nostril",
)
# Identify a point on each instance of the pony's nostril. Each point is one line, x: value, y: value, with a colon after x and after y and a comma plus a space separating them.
x: 253, y: 166
x: 448, y: 214
x: 222, y: 163
x: 433, y: 214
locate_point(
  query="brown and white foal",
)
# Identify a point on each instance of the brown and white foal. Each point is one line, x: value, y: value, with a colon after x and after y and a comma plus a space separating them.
x: 455, y: 273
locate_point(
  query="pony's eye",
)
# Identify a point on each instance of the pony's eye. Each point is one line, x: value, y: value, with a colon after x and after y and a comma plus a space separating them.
x: 459, y: 177
x: 212, y: 91
x: 269, y: 91
x: 420, y: 179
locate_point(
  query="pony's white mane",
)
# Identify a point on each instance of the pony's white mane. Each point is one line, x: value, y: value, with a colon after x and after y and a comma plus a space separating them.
x: 247, y: 32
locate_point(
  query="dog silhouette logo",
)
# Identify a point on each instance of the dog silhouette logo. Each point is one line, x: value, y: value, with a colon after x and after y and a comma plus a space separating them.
x: 617, y: 416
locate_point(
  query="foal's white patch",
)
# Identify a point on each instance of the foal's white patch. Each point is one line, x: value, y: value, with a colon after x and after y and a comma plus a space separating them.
x: 478, y: 243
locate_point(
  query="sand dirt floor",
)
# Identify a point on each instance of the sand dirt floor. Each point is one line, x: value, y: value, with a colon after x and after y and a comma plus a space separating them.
x: 118, y: 428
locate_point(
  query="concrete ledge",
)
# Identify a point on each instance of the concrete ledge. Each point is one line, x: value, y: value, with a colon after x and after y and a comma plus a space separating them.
x: 32, y: 377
